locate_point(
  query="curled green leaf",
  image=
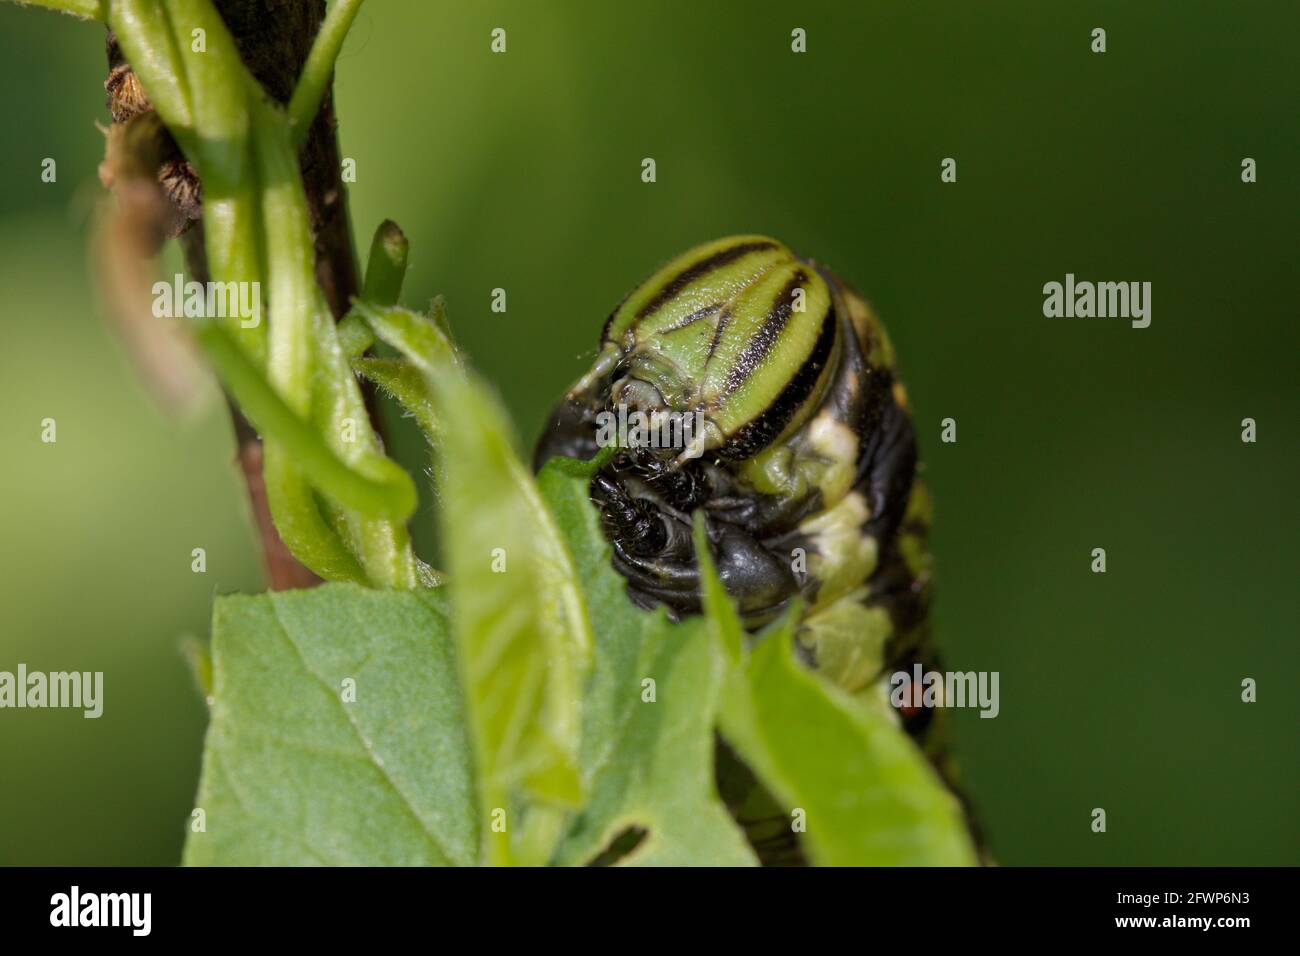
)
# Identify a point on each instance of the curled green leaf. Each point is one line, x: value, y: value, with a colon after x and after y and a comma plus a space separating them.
x: 416, y: 336
x: 521, y: 625
x: 407, y: 386
x: 375, y: 486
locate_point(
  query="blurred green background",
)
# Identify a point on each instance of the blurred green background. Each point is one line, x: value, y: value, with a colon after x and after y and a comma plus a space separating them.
x: 522, y: 171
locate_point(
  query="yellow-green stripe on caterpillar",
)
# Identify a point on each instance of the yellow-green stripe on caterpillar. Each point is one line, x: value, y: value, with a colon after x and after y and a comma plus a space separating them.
x: 795, y: 438
x: 754, y: 385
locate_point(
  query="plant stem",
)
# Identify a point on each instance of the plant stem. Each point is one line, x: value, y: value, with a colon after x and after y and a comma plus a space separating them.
x: 318, y: 71
x: 385, y: 489
x: 273, y: 40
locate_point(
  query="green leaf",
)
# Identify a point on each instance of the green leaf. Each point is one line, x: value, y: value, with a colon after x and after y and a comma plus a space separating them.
x: 295, y: 774
x: 421, y: 338
x: 723, y: 620
x: 521, y: 625
x: 869, y: 797
x: 648, y: 765
x: 87, y: 9
x: 407, y: 386
x: 375, y: 486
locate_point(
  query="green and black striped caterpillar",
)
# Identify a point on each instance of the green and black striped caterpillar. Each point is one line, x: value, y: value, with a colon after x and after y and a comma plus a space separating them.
x: 804, y: 465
